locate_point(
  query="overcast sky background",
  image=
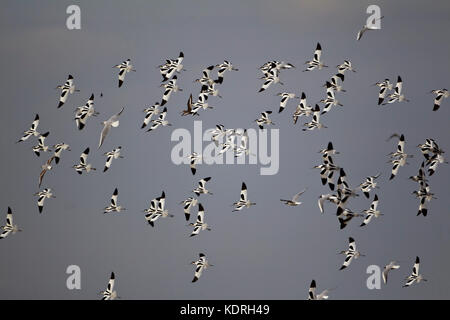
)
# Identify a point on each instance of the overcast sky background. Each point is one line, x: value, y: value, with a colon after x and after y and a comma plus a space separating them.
x: 269, y: 251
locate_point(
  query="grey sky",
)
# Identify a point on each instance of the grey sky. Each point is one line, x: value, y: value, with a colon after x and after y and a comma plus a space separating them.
x: 269, y: 251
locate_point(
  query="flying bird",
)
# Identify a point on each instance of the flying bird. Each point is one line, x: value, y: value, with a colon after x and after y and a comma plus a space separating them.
x: 312, y: 292
x: 114, y: 154
x: 367, y: 28
x: 391, y: 266
x: 415, y: 276
x: 384, y: 86
x: 83, y: 113
x: 32, y: 131
x: 114, y: 207
x: 294, y: 201
x: 161, y: 121
x: 200, y: 224
x: 9, y: 227
x: 397, y: 95
x: 316, y: 63
x: 111, y: 122
x: 58, y: 149
x: 44, y: 194
x: 83, y: 165
x: 285, y: 96
x: 124, y: 68
x: 66, y: 88
x: 440, y: 95
x: 170, y: 87
x: 201, y: 189
x: 371, y: 212
x: 188, y: 204
x: 157, y: 210
x: 41, y: 147
x: 200, y: 265
x: 149, y: 113
x: 350, y: 254
x: 264, y: 119
x: 243, y: 201
x: 45, y: 167
x: 110, y: 293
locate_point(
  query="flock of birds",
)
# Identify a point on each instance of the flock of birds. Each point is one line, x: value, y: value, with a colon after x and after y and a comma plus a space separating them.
x: 236, y: 141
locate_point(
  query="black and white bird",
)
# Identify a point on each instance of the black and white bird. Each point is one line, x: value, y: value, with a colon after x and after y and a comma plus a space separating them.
x: 399, y: 157
x: 201, y: 189
x: 440, y: 95
x: 154, y: 110
x: 433, y: 163
x: 160, y: 121
x: 41, y: 147
x: 345, y: 66
x: 421, y: 176
x: 83, y: 113
x: 222, y: 68
x: 264, y: 119
x: 200, y: 265
x: 114, y: 207
x: 113, y: 121
x: 157, y: 210
x: 336, y: 82
x: 83, y: 165
x: 330, y: 101
x: 285, y: 96
x: 171, y: 66
x: 194, y: 158
x: 9, y: 227
x: 243, y: 201
x: 384, y: 86
x: 316, y: 63
x: 67, y: 88
x: 367, y: 28
x: 170, y: 87
x: 415, y: 276
x: 58, y: 149
x: 243, y: 148
x: 369, y: 184
x: 425, y: 195
x: 114, y: 154
x: 371, y: 212
x: 294, y: 201
x: 188, y: 204
x: 303, y: 109
x: 32, y: 132
x: 391, y: 266
x: 350, y: 254
x: 206, y: 79
x: 200, y: 224
x: 272, y: 76
x: 315, y: 122
x: 345, y: 215
x: 110, y: 293
x: 312, y: 292
x: 329, y: 150
x: 44, y: 194
x: 327, y: 169
x: 343, y: 187
x: 211, y: 90
x: 397, y: 95
x: 124, y: 68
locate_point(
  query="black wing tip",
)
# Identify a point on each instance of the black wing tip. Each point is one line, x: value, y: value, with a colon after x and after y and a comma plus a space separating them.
x: 9, y: 210
x: 200, y: 207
